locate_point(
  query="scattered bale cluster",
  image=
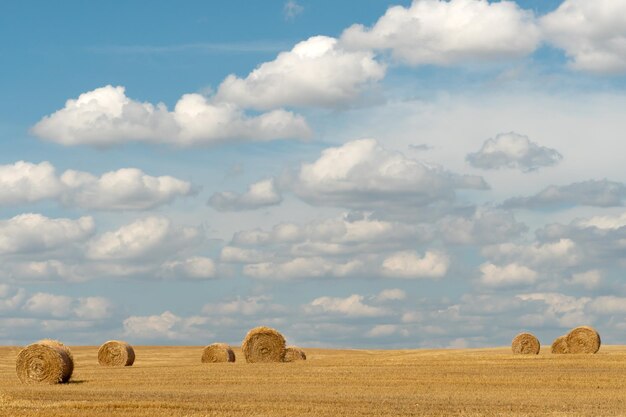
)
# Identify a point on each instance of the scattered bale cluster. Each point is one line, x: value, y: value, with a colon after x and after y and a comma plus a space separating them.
x: 50, y: 361
x: 218, y: 352
x: 263, y: 344
x: 583, y: 339
x: 46, y: 361
x: 116, y: 353
x: 526, y: 344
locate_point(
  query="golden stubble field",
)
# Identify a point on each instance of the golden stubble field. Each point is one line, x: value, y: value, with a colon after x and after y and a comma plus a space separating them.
x: 171, y: 381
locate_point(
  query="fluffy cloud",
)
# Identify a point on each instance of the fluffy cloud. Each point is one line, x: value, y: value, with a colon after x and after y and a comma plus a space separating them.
x: 124, y: 189
x: 409, y: 264
x: 249, y: 306
x: 349, y: 234
x: 600, y: 240
x: 106, y: 116
x: 150, y: 236
x: 363, y: 174
x: 352, y: 306
x: 507, y: 276
x: 27, y: 233
x: 316, y: 72
x: 11, y: 299
x: 260, y: 194
x: 384, y: 330
x: 598, y: 193
x: 93, y: 308
x: 565, y: 310
x: 588, y: 279
x: 197, y: 267
x: 561, y: 253
x: 592, y: 33
x: 392, y: 294
x: 24, y: 182
x: 232, y: 254
x: 449, y: 32
x: 512, y: 150
x: 165, y: 326
x: 482, y: 226
x: 315, y: 267
x: 61, y: 306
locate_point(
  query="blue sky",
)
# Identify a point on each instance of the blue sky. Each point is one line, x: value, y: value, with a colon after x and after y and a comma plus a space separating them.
x: 363, y: 174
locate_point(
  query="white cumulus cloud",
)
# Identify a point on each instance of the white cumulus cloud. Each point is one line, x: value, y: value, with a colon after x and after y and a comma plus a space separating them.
x: 260, y: 194
x: 592, y: 33
x: 352, y: 306
x: 124, y: 189
x: 509, y: 275
x: 106, y: 116
x: 316, y: 72
x: 148, y: 236
x: 196, y: 267
x: 449, y: 32
x: 409, y: 264
x: 36, y: 233
x: 512, y: 150
x: 364, y: 174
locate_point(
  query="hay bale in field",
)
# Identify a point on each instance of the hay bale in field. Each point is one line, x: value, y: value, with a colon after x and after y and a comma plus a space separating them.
x: 263, y: 344
x: 293, y: 354
x: 583, y: 339
x: 116, y: 353
x: 218, y: 352
x: 526, y: 344
x: 46, y: 361
x: 559, y: 346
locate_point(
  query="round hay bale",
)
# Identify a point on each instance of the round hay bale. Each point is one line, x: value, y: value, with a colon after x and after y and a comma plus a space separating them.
x: 525, y: 344
x: 218, y: 352
x: 263, y: 344
x: 559, y: 346
x: 116, y: 353
x: 46, y: 361
x: 583, y: 339
x: 293, y: 354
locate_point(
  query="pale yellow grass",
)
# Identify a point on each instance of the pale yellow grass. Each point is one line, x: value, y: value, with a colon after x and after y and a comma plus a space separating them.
x: 171, y: 381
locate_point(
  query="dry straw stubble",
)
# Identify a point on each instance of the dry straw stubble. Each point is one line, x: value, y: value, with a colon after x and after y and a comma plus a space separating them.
x: 525, y: 344
x: 218, y: 352
x: 116, y: 353
x: 263, y: 344
x: 293, y: 354
x: 46, y: 361
x: 583, y: 339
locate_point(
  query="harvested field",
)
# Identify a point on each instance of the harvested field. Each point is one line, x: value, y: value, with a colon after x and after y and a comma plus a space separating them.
x: 171, y: 381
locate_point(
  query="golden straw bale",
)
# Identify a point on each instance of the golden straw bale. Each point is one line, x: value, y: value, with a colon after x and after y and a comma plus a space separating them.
x: 46, y: 361
x: 263, y: 344
x: 583, y: 339
x: 293, y: 354
x: 218, y: 352
x: 116, y: 353
x: 559, y: 345
x: 525, y: 344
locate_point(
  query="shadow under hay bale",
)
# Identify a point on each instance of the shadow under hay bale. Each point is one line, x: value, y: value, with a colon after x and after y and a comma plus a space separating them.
x: 217, y: 352
x: 525, y: 344
x: 116, y: 353
x: 293, y: 354
x: 263, y: 344
x: 46, y: 361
